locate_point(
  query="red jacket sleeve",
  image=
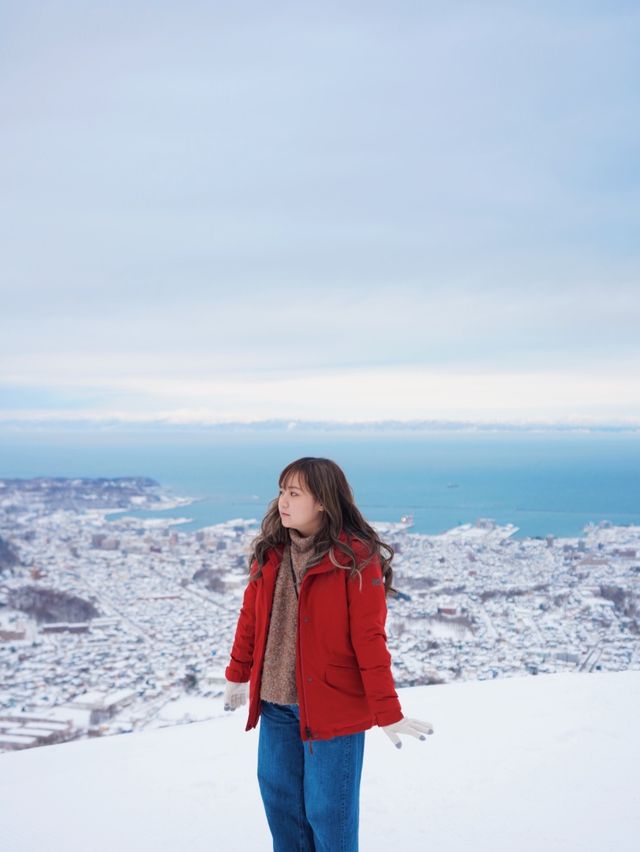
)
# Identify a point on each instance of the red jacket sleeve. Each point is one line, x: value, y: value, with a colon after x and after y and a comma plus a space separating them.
x: 367, y: 618
x: 239, y: 668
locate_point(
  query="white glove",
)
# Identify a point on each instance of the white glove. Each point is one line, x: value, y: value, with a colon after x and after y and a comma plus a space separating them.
x: 235, y: 694
x: 413, y: 727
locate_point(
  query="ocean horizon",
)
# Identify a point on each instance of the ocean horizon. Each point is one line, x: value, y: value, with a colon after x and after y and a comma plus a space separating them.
x: 552, y: 483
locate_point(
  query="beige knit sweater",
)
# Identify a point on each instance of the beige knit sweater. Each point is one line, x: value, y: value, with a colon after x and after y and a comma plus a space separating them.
x: 279, y: 672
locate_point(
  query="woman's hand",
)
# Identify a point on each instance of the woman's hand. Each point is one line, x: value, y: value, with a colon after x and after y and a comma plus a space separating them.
x: 413, y: 727
x: 235, y: 694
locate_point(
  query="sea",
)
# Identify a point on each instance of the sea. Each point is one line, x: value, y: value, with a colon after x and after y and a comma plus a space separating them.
x: 543, y: 482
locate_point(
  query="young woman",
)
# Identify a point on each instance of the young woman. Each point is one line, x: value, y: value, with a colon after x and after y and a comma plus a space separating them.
x: 310, y: 654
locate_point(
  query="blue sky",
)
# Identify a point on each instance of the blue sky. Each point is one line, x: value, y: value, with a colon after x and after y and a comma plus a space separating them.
x: 349, y: 211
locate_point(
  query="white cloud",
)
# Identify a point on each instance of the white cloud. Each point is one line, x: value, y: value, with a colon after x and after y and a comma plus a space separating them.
x: 214, y: 195
x: 372, y: 394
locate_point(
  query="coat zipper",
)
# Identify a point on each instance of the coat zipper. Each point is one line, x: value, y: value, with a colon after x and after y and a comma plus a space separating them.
x: 307, y: 728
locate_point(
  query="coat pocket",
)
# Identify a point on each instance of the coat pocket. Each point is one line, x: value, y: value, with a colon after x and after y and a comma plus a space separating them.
x: 345, y: 678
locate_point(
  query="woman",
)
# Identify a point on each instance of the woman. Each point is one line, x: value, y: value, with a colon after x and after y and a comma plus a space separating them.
x: 310, y: 654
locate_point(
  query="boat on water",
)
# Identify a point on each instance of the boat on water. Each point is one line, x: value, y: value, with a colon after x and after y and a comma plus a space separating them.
x: 405, y: 523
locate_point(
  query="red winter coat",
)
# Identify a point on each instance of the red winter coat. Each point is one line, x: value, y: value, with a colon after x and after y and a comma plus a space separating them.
x: 343, y: 667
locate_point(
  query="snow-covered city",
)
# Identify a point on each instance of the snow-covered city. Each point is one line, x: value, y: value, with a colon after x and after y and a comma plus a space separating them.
x: 110, y: 626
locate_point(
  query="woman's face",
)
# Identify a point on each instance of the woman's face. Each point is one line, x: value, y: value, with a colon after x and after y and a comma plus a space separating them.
x: 298, y: 508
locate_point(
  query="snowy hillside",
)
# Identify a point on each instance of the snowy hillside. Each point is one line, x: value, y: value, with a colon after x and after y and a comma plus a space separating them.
x: 525, y: 763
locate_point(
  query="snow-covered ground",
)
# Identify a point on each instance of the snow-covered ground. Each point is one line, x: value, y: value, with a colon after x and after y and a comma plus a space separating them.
x: 521, y: 764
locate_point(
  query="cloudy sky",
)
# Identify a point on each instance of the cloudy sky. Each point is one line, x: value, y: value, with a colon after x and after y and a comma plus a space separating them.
x: 357, y: 211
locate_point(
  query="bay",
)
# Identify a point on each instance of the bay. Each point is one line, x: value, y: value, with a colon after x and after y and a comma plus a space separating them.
x: 544, y: 483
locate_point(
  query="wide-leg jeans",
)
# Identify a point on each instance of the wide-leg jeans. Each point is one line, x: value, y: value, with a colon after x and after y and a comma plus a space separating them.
x: 311, y: 799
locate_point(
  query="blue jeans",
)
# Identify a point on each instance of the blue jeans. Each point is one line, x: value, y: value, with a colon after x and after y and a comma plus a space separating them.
x: 312, y: 800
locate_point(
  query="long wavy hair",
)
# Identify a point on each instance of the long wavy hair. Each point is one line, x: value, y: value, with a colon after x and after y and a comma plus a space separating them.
x: 326, y: 481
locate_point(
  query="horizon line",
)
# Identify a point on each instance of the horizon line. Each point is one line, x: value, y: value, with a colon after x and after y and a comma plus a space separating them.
x: 296, y: 424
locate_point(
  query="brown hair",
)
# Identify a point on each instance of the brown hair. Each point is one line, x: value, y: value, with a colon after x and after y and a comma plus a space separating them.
x: 325, y: 480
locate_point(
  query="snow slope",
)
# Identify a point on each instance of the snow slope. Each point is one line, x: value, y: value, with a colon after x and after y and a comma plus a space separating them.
x: 547, y: 762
